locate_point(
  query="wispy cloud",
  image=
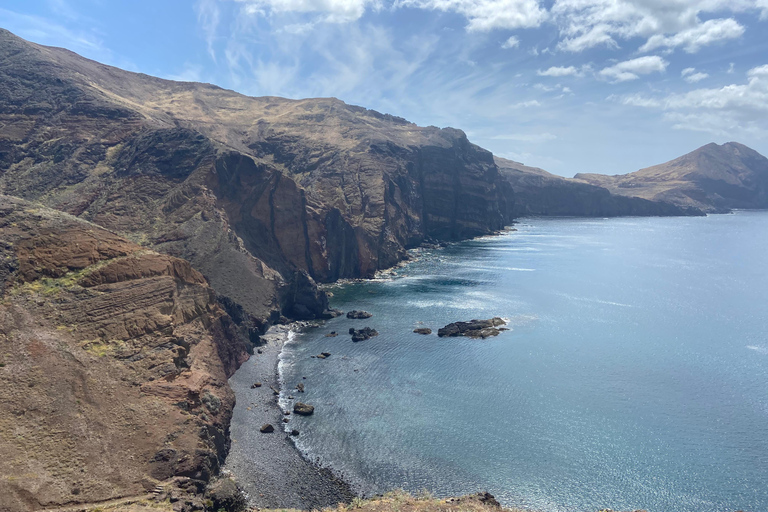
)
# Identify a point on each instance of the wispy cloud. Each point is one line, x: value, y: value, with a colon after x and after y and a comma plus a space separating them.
x: 632, y: 69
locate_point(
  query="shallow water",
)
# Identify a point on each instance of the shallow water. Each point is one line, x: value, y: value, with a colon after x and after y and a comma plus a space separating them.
x: 635, y: 374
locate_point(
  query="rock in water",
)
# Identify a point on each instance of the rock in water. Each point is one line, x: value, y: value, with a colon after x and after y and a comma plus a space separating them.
x: 423, y: 330
x: 300, y: 387
x: 362, y: 334
x: 266, y: 429
x: 359, y: 315
x: 303, y: 409
x: 256, y: 385
x: 473, y: 328
x: 294, y: 432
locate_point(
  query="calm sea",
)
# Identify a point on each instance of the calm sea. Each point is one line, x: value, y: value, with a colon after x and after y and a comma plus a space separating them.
x: 635, y: 373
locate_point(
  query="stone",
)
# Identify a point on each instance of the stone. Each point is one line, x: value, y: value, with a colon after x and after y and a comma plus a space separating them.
x: 225, y: 495
x: 423, y: 330
x: 332, y: 334
x: 267, y: 428
x: 362, y: 334
x: 294, y: 432
x: 359, y: 315
x: 303, y: 409
x: 300, y: 387
x: 256, y: 385
x: 326, y: 354
x: 473, y: 328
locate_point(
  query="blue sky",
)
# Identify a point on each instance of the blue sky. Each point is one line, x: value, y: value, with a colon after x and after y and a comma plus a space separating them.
x: 606, y: 86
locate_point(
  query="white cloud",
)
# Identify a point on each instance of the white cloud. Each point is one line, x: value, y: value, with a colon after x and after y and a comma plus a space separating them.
x: 691, y: 76
x: 527, y: 104
x: 692, y: 39
x: 725, y: 111
x: 485, y: 15
x: 558, y: 71
x: 512, y: 42
x: 208, y: 19
x: 332, y: 11
x: 632, y: 69
x: 585, y: 24
x: 526, y: 137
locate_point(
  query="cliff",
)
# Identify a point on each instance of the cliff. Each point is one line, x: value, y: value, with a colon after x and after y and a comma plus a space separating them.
x: 262, y: 195
x: 538, y: 192
x: 714, y: 178
x: 114, y: 362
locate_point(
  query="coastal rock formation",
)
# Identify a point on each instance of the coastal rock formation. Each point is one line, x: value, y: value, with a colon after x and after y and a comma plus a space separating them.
x: 362, y: 334
x: 714, y: 178
x: 538, y: 192
x: 423, y: 330
x: 115, y: 364
x: 264, y: 196
x: 473, y: 328
x: 358, y: 315
x: 303, y: 409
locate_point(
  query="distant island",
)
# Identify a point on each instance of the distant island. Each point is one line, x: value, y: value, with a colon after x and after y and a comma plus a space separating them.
x: 151, y: 231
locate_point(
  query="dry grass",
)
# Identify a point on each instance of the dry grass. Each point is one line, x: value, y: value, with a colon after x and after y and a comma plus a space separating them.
x: 400, y: 501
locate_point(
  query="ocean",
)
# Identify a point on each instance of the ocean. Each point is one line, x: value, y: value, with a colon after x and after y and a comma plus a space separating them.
x: 634, y: 374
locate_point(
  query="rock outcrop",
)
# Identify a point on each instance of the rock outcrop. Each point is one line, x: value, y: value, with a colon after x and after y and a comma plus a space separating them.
x: 714, y: 178
x: 358, y: 315
x: 473, y: 328
x: 540, y: 193
x: 363, y: 334
x: 115, y: 364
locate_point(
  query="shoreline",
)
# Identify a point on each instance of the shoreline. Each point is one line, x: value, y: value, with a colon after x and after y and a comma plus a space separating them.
x: 268, y: 467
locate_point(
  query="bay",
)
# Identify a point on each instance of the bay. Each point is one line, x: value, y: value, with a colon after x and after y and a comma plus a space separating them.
x: 635, y: 373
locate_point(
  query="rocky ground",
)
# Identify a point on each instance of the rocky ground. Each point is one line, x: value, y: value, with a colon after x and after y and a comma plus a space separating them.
x: 114, y: 362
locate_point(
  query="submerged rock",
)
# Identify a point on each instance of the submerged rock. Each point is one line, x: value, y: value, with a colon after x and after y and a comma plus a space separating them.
x: 303, y: 409
x: 362, y: 334
x: 294, y: 432
x: 473, y: 328
x: 332, y: 334
x: 300, y: 387
x: 359, y: 315
x: 423, y: 330
x: 256, y: 385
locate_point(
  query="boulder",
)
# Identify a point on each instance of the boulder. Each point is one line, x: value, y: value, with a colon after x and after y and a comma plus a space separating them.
x: 362, y: 334
x: 294, y: 432
x: 225, y: 495
x: 267, y: 428
x: 303, y: 409
x: 332, y: 334
x: 300, y: 387
x: 359, y: 315
x: 256, y: 385
x: 473, y: 328
x: 423, y: 330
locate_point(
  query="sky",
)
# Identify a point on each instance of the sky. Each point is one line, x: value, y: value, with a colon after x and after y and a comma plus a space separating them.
x: 608, y: 86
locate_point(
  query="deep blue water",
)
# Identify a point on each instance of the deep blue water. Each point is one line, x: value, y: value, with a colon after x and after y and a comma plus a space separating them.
x: 635, y: 374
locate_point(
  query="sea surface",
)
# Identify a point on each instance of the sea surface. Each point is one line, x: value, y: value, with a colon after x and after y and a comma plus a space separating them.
x: 634, y: 376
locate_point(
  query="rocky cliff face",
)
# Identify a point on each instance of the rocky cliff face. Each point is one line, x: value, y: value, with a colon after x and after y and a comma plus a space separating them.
x: 114, y: 362
x: 538, y: 192
x: 714, y: 178
x: 254, y: 192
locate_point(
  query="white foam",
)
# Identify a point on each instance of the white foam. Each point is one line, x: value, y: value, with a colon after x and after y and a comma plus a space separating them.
x: 761, y: 350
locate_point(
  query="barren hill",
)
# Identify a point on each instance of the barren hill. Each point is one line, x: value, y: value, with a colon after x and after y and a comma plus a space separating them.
x: 713, y: 178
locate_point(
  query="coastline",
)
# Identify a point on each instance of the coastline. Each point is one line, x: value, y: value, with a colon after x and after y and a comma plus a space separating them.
x: 268, y: 466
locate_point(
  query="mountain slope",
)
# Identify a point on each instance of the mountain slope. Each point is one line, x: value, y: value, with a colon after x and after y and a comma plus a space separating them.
x: 114, y: 363
x: 260, y: 194
x: 538, y: 192
x: 713, y: 178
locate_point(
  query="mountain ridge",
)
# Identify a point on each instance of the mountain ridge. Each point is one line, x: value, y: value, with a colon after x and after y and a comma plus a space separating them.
x: 714, y: 178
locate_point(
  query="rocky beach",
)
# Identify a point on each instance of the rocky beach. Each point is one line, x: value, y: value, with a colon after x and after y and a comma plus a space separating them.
x: 268, y: 466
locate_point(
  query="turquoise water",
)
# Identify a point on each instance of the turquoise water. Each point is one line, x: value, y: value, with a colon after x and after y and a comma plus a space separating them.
x: 635, y: 374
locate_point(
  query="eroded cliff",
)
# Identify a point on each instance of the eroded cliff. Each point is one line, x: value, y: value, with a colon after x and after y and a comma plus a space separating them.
x: 114, y: 362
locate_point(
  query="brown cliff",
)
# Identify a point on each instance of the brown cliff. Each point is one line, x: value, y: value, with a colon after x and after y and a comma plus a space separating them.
x: 114, y: 362
x: 255, y: 192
